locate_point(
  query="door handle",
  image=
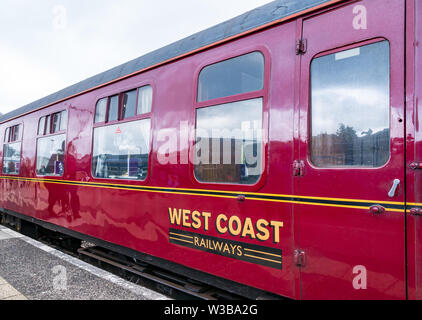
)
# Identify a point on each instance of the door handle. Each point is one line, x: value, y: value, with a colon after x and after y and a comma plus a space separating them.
x: 393, y: 190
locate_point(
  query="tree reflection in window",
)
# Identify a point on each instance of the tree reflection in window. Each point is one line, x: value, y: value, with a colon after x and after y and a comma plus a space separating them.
x: 351, y: 107
x: 229, y: 143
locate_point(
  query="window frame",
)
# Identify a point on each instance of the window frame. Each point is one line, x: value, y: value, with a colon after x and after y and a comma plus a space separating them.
x: 137, y: 117
x: 263, y: 94
x: 8, y: 129
x: 45, y: 135
x: 309, y: 124
x: 50, y: 117
x: 120, y: 96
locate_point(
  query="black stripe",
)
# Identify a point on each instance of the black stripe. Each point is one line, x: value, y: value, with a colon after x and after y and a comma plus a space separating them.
x: 363, y: 204
x: 252, y: 253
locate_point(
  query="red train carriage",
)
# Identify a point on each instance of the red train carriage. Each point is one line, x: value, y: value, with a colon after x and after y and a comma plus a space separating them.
x: 277, y: 152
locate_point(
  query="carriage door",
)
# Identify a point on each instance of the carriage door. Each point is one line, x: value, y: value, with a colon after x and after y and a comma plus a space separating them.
x: 349, y: 183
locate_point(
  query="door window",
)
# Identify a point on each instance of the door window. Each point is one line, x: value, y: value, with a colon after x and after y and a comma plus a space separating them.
x: 350, y: 106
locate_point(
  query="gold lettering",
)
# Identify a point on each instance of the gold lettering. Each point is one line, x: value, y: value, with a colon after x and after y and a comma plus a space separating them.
x: 196, y: 221
x: 248, y: 229
x: 232, y: 230
x: 206, y: 216
x: 203, y: 244
x: 262, y: 226
x: 276, y: 225
x: 186, y: 216
x: 221, y: 229
x: 219, y: 246
x: 175, y: 216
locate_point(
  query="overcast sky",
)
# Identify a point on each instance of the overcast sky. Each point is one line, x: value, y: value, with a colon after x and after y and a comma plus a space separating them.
x: 47, y: 45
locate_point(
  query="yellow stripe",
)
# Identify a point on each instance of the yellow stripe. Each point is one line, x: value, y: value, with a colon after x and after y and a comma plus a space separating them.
x: 414, y: 204
x: 181, y: 240
x: 249, y: 256
x: 181, y: 235
x: 182, y: 191
x: 262, y: 252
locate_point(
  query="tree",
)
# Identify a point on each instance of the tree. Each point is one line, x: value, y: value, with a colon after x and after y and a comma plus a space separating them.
x: 347, y: 137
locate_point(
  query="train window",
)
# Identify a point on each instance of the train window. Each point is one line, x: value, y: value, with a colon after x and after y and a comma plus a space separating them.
x: 113, y: 112
x: 11, y: 158
x: 121, y: 151
x: 144, y: 100
x: 48, y: 124
x: 124, y: 105
x: 229, y: 143
x: 50, y: 155
x: 63, y: 120
x: 129, y: 104
x: 234, y: 76
x: 13, y: 134
x: 12, y: 150
x: 41, y: 126
x: 55, y: 123
x: 101, y: 111
x: 351, y: 107
x: 6, y: 135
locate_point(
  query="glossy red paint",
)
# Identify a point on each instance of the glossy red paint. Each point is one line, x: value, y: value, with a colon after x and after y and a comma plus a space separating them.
x: 334, y: 239
x: 331, y: 256
x: 414, y: 147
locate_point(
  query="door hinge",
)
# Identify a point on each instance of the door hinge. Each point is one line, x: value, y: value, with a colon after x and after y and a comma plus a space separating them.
x: 416, y: 166
x: 301, y: 46
x: 416, y: 212
x: 298, y: 168
x: 300, y: 258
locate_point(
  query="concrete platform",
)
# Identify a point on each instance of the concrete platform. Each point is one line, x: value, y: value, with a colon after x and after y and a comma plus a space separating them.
x: 31, y: 270
x: 7, y: 292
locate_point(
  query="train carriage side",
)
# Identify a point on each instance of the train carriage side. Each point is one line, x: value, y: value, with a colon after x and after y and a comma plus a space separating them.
x: 121, y: 164
x: 110, y: 187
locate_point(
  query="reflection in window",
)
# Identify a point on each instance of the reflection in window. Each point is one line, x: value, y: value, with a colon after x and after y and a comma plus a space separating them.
x: 41, y: 126
x: 50, y: 155
x: 55, y: 124
x: 234, y: 76
x: 63, y: 121
x: 48, y: 124
x: 11, y: 158
x: 129, y: 104
x: 351, y: 107
x: 100, y: 111
x: 122, y: 151
x: 144, y: 99
x: 229, y: 147
x: 6, y: 135
x: 13, y: 134
x: 113, y: 112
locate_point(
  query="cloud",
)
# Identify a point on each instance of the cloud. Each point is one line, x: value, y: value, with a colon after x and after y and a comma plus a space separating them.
x: 41, y: 53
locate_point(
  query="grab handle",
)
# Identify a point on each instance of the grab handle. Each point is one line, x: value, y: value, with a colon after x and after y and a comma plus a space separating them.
x: 393, y: 190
